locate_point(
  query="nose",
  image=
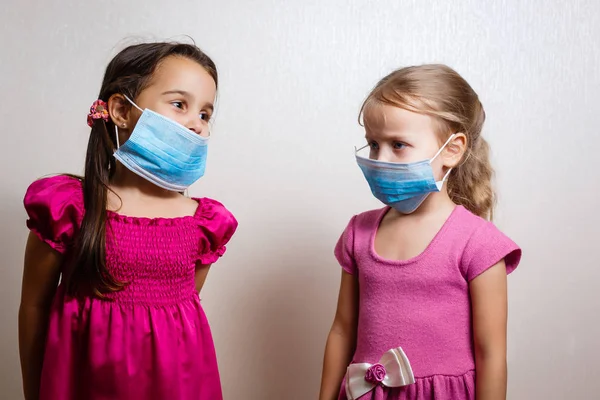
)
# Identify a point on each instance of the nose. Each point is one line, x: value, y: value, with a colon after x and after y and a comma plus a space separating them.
x: 383, y: 154
x: 197, y: 125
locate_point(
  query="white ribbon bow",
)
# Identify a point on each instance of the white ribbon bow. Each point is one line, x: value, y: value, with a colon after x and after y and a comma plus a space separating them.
x: 393, y: 370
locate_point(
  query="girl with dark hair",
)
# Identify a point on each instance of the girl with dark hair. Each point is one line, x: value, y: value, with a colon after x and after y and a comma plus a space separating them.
x: 115, y: 259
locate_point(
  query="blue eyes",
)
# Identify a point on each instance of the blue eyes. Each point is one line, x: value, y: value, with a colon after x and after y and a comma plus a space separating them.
x: 395, y: 145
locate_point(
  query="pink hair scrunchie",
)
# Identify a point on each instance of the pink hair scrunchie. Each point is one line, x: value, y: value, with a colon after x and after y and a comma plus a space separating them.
x: 98, y: 110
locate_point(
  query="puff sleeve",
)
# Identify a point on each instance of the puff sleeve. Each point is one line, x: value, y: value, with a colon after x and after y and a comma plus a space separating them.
x: 218, y: 226
x: 55, y: 209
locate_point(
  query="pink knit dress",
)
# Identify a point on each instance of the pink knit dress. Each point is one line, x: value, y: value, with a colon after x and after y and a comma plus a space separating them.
x: 151, y: 340
x: 422, y: 304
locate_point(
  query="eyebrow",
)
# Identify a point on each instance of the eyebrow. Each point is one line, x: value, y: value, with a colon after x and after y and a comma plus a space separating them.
x: 209, y: 106
x: 177, y: 91
x: 392, y: 137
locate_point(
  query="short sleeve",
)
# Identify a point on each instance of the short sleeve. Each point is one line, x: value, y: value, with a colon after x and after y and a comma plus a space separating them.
x: 218, y: 226
x: 344, y: 249
x: 55, y: 209
x: 486, y: 248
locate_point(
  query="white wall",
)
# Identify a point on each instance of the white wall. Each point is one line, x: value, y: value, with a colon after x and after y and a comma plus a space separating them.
x: 293, y: 76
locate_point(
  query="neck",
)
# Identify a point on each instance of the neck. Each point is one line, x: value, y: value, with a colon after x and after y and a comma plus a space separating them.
x: 125, y: 180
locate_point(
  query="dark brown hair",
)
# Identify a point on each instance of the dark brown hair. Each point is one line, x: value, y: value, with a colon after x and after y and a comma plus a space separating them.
x: 440, y: 92
x: 128, y: 73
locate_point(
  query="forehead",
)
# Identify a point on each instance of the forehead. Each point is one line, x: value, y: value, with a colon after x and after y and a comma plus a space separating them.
x: 382, y: 118
x: 184, y: 74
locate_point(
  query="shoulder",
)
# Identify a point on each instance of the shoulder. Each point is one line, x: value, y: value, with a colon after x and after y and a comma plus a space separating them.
x: 53, y: 186
x: 368, y: 221
x: 474, y: 228
x: 363, y: 225
x: 468, y: 221
x: 54, y: 194
x: 212, y: 210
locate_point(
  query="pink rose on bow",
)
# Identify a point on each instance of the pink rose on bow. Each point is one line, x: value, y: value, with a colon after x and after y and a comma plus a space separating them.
x: 375, y: 373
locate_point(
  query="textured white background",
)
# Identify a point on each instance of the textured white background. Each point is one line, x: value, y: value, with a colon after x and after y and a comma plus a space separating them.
x: 293, y: 76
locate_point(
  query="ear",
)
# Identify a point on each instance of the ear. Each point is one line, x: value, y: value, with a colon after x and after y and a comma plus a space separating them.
x: 120, y: 111
x: 455, y: 150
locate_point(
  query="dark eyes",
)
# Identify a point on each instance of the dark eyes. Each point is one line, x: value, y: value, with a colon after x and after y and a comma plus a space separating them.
x: 181, y: 105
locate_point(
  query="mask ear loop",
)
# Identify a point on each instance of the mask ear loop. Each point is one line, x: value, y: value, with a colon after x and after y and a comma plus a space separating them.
x: 440, y: 152
x: 447, y: 175
x: 440, y: 184
x: 357, y: 150
x: 132, y: 103
x: 117, y: 128
x: 442, y: 148
x: 117, y: 136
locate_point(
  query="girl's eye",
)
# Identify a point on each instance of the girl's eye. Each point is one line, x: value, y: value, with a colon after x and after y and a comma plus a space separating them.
x: 178, y: 104
x: 399, y: 146
x: 204, y: 116
x: 373, y: 145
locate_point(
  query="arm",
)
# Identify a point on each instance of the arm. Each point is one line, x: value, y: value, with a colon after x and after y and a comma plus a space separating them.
x: 40, y: 278
x: 341, y: 341
x: 201, y: 273
x: 489, y: 304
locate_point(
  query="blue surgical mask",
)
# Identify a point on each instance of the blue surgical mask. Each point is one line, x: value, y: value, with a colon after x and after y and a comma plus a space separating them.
x: 163, y: 152
x: 401, y: 186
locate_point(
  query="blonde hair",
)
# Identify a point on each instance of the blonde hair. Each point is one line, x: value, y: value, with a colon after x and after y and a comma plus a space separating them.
x: 440, y: 92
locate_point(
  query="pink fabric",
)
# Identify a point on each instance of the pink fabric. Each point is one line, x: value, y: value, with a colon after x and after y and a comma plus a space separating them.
x: 152, y: 341
x: 422, y: 304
